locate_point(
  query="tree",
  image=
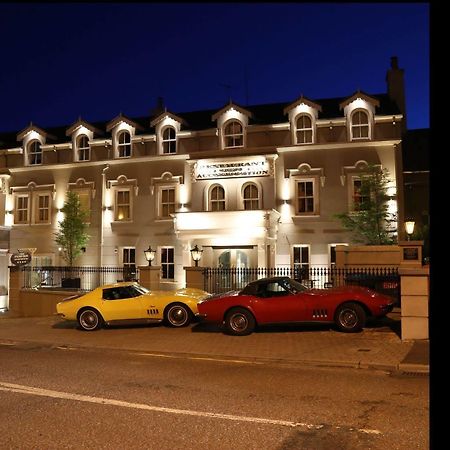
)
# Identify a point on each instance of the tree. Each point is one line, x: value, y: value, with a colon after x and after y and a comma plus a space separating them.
x: 72, y: 235
x: 371, y: 221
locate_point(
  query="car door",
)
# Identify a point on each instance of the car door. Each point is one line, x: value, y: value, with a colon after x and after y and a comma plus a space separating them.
x: 277, y: 305
x: 122, y: 303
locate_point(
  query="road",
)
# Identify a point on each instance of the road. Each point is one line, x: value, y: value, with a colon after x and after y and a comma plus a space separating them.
x: 54, y: 397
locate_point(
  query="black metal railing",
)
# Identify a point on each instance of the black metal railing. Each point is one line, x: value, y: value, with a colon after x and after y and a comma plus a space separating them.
x: 381, y: 279
x: 84, y: 278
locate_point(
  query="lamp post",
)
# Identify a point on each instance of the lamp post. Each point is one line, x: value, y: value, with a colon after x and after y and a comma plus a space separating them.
x: 149, y: 255
x: 409, y: 227
x: 196, y: 254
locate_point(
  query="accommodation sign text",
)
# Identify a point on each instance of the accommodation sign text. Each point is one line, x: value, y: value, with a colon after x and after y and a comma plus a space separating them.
x: 204, y: 171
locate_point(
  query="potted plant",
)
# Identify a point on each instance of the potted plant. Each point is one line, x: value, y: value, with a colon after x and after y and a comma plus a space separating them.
x: 72, y: 236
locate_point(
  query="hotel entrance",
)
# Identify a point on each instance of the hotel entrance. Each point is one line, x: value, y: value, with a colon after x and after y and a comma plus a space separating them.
x: 234, y: 257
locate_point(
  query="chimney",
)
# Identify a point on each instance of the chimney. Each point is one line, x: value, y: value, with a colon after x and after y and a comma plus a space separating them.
x: 396, y: 87
x: 159, y: 108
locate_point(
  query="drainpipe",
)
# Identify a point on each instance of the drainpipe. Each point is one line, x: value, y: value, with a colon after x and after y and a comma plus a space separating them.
x: 103, y: 211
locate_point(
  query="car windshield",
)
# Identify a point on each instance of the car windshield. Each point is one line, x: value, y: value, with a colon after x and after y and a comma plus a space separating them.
x: 293, y: 286
x: 124, y: 292
x: 141, y: 289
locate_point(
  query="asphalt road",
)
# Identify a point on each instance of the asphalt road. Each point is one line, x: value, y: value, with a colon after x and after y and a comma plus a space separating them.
x: 62, y: 397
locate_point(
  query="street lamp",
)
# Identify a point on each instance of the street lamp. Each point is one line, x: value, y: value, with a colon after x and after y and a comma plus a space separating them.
x: 196, y: 254
x: 409, y: 227
x: 149, y: 255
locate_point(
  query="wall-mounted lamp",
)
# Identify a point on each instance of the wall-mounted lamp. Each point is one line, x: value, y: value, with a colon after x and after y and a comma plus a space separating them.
x: 9, y: 211
x: 196, y: 254
x: 409, y: 227
x: 107, y: 208
x: 149, y: 255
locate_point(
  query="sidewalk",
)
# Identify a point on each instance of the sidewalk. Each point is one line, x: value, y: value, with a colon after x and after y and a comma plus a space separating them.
x: 377, y: 347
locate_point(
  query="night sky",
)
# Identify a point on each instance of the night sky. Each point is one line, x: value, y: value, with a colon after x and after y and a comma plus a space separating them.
x: 97, y: 60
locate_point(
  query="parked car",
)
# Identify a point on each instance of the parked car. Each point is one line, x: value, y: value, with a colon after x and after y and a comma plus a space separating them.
x: 279, y: 300
x: 129, y: 301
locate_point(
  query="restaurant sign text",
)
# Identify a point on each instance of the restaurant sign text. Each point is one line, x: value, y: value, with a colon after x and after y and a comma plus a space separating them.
x: 255, y: 168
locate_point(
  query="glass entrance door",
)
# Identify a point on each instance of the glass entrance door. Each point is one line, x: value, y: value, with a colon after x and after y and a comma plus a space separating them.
x: 233, y: 258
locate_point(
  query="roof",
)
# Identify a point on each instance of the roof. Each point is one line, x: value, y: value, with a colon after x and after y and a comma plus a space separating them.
x: 262, y: 114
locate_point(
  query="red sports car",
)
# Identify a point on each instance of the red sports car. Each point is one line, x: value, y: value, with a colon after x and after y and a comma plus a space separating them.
x: 283, y: 300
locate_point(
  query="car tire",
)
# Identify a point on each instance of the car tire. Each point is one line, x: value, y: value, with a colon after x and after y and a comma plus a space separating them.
x: 239, y: 322
x: 177, y: 315
x: 350, y: 317
x: 90, y: 319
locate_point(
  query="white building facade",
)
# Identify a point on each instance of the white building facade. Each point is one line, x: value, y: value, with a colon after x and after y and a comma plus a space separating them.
x: 253, y: 186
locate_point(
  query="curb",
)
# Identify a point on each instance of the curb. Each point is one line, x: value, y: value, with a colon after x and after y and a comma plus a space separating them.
x: 405, y: 368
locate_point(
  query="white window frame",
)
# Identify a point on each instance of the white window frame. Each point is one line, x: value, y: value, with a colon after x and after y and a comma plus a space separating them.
x: 169, y: 142
x: 298, y: 266
x: 34, y: 152
x: 83, y: 150
x: 304, y: 130
x: 166, y: 264
x: 253, y: 200
x: 17, y: 210
x: 315, y: 195
x: 117, y: 191
x: 358, y: 126
x: 162, y: 203
x: 234, y: 136
x: 212, y: 201
x: 37, y: 208
x: 124, y: 147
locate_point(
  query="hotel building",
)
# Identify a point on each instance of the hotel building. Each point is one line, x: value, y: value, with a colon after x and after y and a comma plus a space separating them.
x: 253, y: 186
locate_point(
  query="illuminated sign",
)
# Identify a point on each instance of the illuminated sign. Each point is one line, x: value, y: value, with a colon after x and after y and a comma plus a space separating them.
x: 254, y: 168
x: 21, y: 258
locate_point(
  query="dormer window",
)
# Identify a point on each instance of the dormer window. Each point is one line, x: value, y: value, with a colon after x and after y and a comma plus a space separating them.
x: 124, y: 144
x: 304, y: 130
x: 34, y: 153
x: 169, y: 141
x: 83, y: 148
x: 233, y: 134
x: 360, y: 125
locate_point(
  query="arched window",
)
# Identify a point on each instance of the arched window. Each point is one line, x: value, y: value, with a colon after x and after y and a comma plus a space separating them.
x: 169, y: 140
x: 217, y: 198
x: 360, y: 125
x: 124, y: 144
x: 34, y: 153
x: 233, y: 134
x: 304, y: 129
x: 83, y: 148
x: 250, y: 195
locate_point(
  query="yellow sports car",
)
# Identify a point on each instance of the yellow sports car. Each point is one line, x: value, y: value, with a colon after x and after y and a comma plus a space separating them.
x: 129, y: 301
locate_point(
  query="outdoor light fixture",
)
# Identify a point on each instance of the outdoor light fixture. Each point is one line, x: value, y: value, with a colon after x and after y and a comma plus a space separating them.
x: 409, y: 227
x: 149, y: 255
x: 196, y: 254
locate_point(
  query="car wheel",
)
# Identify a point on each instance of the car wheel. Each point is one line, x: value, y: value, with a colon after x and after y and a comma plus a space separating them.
x: 239, y: 322
x: 90, y: 319
x: 177, y: 315
x: 350, y: 317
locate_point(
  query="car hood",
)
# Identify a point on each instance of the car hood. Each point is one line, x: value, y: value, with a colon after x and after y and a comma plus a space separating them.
x: 194, y: 293
x: 213, y: 297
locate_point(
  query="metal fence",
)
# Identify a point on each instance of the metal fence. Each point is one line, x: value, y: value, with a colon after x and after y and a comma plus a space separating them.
x: 381, y: 279
x: 83, y: 278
